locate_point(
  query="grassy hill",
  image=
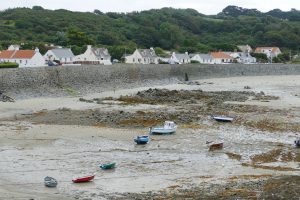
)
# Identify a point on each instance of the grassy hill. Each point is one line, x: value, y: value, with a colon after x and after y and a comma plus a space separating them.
x: 168, y: 28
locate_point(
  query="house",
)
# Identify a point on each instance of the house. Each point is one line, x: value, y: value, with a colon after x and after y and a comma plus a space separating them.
x: 94, y: 56
x: 25, y: 58
x: 271, y: 52
x: 221, y: 58
x: 142, y: 56
x: 64, y: 56
x: 245, y: 48
x: 202, y: 58
x: 177, y: 58
x: 242, y: 57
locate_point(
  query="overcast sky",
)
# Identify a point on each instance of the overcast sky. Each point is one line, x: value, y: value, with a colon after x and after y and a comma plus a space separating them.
x: 203, y: 6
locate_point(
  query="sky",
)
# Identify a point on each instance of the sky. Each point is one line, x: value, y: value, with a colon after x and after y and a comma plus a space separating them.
x: 208, y: 7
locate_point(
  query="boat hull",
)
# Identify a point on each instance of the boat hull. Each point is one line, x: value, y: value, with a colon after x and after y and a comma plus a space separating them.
x: 215, y: 146
x: 142, y: 139
x: 50, y: 182
x: 222, y: 119
x: 108, y: 166
x: 83, y: 179
x: 161, y: 131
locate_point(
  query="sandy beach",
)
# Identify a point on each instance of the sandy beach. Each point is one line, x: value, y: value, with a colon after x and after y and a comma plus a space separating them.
x: 69, y: 137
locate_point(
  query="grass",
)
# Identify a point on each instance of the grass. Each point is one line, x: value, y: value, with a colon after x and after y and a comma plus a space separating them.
x: 71, y: 91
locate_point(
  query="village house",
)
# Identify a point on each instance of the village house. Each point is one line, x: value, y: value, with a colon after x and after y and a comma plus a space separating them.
x: 271, y: 52
x: 202, y: 58
x: 94, y: 56
x: 221, y: 58
x: 64, y: 56
x: 242, y: 57
x: 177, y: 58
x: 25, y: 58
x: 142, y: 56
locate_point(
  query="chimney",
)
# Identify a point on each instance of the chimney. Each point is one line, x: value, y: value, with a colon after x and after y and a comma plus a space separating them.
x: 37, y: 49
x: 89, y: 46
x: 187, y: 53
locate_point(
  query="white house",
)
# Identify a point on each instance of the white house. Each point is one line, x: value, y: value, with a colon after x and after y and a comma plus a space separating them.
x: 142, y: 56
x: 203, y: 58
x: 221, y: 58
x: 94, y: 56
x: 242, y: 57
x: 271, y: 52
x: 65, y: 56
x: 177, y: 58
x: 25, y: 58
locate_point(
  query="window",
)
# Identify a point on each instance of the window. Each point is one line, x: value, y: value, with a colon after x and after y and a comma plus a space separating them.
x: 133, y: 59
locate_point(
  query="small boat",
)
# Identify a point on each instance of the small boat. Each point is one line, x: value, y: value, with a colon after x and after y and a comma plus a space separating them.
x: 222, y: 118
x: 168, y: 128
x: 83, y: 179
x: 144, y: 139
x: 216, y: 146
x: 108, y: 166
x: 297, y: 143
x: 50, y: 182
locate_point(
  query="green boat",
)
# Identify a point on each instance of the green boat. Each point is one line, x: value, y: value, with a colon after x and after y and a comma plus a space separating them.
x: 108, y: 166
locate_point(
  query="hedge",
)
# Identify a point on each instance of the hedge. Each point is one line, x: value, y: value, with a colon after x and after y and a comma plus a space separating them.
x: 9, y: 65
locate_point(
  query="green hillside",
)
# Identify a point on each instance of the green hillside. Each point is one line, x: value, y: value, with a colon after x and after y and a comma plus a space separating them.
x: 168, y: 28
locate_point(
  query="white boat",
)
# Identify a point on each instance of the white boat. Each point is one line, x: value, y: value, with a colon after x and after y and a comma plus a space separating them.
x: 222, y: 119
x: 168, y: 128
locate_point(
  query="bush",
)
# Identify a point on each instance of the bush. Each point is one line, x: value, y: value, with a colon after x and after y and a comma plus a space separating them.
x: 9, y: 65
x: 195, y: 62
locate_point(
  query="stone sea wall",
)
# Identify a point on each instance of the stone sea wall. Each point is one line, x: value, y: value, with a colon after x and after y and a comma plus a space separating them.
x: 89, y: 78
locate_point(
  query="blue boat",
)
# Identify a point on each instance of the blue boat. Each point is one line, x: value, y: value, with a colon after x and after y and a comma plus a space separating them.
x: 144, y: 139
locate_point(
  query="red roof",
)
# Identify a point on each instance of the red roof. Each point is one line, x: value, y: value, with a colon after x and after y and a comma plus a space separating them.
x: 260, y: 49
x: 24, y: 54
x: 6, y: 54
x: 220, y: 55
x: 17, y: 54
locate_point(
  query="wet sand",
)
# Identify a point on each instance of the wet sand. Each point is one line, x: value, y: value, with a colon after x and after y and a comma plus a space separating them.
x: 169, y: 163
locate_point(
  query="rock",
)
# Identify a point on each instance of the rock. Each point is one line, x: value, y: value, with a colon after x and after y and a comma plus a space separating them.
x: 247, y: 87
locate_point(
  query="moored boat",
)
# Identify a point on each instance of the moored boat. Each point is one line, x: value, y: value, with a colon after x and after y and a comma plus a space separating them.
x: 168, y: 128
x: 222, y: 118
x: 83, y: 179
x: 108, y: 166
x: 144, y: 139
x: 50, y: 182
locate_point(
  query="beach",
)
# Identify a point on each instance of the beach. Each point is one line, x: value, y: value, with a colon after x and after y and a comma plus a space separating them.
x: 71, y: 136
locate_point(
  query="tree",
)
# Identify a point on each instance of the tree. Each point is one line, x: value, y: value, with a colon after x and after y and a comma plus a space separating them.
x: 77, y: 37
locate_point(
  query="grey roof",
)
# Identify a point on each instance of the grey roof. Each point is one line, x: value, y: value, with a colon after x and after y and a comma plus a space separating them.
x: 147, y: 53
x: 63, y: 53
x: 182, y: 56
x: 101, y: 53
x: 205, y: 56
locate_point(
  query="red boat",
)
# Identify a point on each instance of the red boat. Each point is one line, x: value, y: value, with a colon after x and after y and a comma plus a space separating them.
x: 83, y: 179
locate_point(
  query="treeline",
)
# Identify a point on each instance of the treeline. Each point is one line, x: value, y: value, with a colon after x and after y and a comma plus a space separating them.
x: 170, y: 29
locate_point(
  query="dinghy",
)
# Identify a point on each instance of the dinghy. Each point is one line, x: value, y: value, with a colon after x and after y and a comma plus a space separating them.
x: 50, y: 182
x: 83, y: 179
x: 144, y: 139
x: 168, y: 128
x: 222, y: 118
x: 108, y: 166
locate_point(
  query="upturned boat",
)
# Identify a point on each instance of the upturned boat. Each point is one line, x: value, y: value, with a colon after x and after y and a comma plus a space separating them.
x: 50, y: 182
x: 108, y: 166
x: 83, y: 179
x: 144, y: 139
x: 168, y: 128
